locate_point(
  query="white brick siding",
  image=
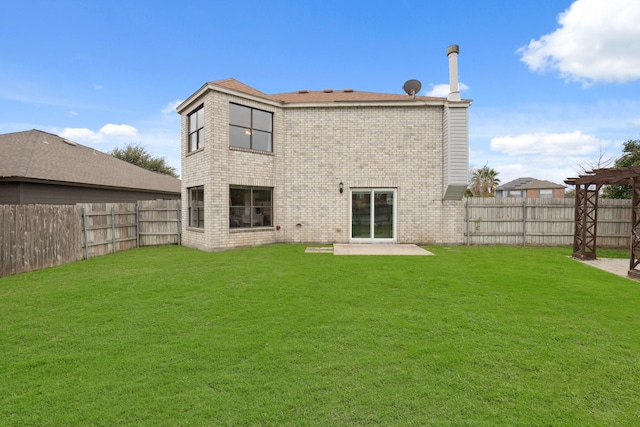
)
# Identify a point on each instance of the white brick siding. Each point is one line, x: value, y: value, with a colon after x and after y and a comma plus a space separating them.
x: 314, y: 149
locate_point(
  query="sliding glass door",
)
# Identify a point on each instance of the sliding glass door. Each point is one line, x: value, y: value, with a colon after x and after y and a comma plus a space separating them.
x: 373, y: 215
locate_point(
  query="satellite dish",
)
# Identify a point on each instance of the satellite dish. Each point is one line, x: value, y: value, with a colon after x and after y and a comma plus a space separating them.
x: 412, y: 87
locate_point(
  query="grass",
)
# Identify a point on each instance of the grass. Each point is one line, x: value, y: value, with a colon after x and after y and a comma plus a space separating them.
x: 274, y: 336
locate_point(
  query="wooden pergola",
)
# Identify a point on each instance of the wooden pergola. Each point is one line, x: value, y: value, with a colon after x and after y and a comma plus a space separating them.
x: 586, y: 211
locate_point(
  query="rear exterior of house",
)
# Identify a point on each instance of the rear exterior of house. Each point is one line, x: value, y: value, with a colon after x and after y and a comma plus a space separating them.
x: 332, y: 166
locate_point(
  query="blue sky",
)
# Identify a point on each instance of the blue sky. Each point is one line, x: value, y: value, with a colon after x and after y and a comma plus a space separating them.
x: 554, y: 82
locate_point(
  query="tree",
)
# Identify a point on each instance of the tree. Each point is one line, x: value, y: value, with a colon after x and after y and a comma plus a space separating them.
x: 602, y: 161
x: 630, y: 157
x: 484, y: 181
x: 137, y: 155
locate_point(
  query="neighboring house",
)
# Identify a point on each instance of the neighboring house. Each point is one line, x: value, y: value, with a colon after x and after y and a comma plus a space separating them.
x: 530, y: 187
x: 40, y: 167
x: 330, y: 166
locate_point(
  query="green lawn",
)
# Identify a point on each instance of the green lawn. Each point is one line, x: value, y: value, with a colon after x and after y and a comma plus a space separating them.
x: 274, y: 336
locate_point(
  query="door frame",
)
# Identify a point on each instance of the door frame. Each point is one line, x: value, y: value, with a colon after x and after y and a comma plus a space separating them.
x: 372, y: 239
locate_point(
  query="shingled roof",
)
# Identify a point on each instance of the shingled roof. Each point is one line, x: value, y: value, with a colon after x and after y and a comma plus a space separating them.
x: 35, y: 155
x: 315, y: 96
x: 529, y: 184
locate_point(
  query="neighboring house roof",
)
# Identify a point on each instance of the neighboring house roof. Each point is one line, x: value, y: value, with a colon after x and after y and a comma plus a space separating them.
x: 326, y: 95
x: 528, y: 184
x: 35, y: 155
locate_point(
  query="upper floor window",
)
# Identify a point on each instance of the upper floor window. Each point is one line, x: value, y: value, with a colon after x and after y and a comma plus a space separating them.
x: 546, y: 193
x: 250, y: 128
x: 196, y: 129
x: 516, y: 193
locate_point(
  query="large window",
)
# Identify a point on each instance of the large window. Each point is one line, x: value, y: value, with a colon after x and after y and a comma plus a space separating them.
x: 196, y: 129
x: 546, y: 194
x: 196, y: 207
x: 250, y: 207
x: 250, y: 128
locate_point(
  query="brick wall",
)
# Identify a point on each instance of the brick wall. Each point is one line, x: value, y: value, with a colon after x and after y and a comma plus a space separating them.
x: 316, y: 148
x: 364, y: 147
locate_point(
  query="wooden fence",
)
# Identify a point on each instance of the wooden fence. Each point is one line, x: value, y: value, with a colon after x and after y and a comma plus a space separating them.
x: 541, y: 222
x: 39, y: 236
x: 114, y: 227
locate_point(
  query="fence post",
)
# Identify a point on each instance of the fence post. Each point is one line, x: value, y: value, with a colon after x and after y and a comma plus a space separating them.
x: 466, y: 219
x: 113, y: 231
x: 179, y: 223
x: 86, y: 237
x: 137, y: 227
x: 524, y: 222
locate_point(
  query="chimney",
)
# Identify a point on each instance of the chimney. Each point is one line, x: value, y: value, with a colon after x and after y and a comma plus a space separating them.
x: 454, y: 90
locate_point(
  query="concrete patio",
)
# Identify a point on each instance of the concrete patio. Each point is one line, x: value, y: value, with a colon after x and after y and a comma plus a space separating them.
x: 371, y: 249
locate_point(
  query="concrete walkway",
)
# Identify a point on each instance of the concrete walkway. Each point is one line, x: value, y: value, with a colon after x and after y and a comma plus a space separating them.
x: 619, y: 266
x: 379, y: 249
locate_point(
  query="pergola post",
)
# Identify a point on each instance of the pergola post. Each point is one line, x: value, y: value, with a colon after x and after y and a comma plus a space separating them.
x: 586, y: 217
x: 635, y: 228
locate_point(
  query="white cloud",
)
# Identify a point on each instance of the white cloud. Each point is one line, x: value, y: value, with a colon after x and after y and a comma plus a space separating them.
x: 157, y: 138
x: 442, y: 90
x: 97, y: 86
x: 549, y: 156
x: 598, y: 41
x: 548, y: 144
x: 540, y: 140
x: 119, y: 130
x: 171, y: 107
x: 81, y: 134
x: 108, y: 130
x: 73, y: 113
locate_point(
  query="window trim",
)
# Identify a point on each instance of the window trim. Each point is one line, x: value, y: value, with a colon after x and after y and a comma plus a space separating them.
x: 252, y: 130
x: 199, y: 127
x: 198, y: 209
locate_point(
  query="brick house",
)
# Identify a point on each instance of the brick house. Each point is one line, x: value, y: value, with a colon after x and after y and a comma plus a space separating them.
x: 531, y: 188
x: 330, y: 166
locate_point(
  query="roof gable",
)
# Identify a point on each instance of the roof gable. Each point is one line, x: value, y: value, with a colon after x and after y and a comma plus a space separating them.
x: 240, y: 87
x: 38, y: 155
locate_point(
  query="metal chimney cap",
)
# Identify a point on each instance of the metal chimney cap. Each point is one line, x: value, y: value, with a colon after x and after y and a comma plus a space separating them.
x: 454, y: 48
